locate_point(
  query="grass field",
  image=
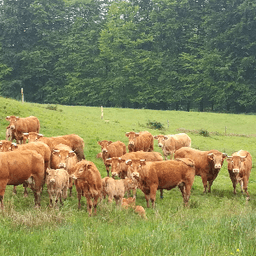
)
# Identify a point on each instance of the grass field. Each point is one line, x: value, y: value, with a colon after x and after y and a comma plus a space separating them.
x: 218, y: 223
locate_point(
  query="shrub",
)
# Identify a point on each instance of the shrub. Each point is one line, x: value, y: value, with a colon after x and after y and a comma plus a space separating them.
x: 155, y: 125
x: 204, y: 133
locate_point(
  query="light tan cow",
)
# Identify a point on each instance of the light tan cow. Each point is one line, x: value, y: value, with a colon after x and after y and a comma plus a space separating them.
x: 239, y: 168
x: 64, y: 157
x: 171, y: 143
x: 57, y: 185
x: 116, y: 189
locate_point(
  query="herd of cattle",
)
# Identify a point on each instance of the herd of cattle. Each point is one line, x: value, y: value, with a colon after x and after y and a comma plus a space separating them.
x: 60, y: 163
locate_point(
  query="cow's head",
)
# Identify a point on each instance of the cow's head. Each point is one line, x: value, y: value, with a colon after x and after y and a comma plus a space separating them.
x: 61, y: 157
x: 104, y: 145
x: 51, y: 175
x: 135, y: 165
x: 116, y: 165
x: 12, y: 120
x: 132, y: 138
x: 161, y: 139
x: 6, y: 146
x: 81, y: 170
x: 235, y: 163
x: 32, y: 136
x: 216, y: 159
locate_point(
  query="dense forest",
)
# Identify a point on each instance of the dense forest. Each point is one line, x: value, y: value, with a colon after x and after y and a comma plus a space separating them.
x: 157, y: 54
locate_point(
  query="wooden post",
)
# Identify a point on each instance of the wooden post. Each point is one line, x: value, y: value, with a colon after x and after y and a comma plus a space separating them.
x: 225, y: 130
x: 22, y: 96
x: 101, y: 112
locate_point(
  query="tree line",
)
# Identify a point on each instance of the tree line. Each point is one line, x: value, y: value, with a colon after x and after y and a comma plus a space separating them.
x: 157, y: 54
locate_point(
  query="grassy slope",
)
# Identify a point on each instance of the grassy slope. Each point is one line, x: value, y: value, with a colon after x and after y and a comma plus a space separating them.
x: 215, y: 224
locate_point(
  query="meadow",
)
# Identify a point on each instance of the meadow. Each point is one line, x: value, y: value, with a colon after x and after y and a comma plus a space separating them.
x: 217, y: 223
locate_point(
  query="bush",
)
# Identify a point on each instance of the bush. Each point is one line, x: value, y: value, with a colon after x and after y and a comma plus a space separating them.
x: 204, y: 133
x: 155, y: 125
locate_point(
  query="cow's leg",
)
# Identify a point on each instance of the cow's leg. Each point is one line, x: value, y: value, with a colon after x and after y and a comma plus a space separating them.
x: 107, y: 169
x: 110, y: 198
x: 89, y: 205
x: 65, y: 192
x: 3, y: 184
x: 25, y: 186
x: 204, y: 180
x: 153, y: 190
x: 50, y: 198
x: 95, y: 202
x: 241, y: 185
x: 147, y: 200
x: 186, y: 195
x: 161, y: 193
x: 234, y: 186
x: 210, y: 185
x: 14, y: 191
x: 245, y: 183
x: 79, y: 195
x: 70, y: 186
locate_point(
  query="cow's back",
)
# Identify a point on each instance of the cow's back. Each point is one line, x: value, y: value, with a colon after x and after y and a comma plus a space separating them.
x: 145, y: 142
x: 116, y: 149
x: 28, y: 124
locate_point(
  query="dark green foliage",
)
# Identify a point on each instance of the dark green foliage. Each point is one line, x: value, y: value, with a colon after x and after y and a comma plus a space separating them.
x: 182, y: 55
x: 155, y: 125
x: 204, y: 133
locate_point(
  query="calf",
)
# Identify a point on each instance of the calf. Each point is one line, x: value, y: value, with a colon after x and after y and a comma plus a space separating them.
x: 64, y: 157
x: 171, y: 143
x: 239, y: 168
x: 57, y: 185
x: 111, y: 149
x: 117, y: 188
x: 140, y: 141
x: 17, y: 167
x: 163, y: 175
x: 88, y: 183
x: 207, y: 163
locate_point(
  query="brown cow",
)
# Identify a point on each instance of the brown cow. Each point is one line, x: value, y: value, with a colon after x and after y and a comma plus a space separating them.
x: 111, y: 149
x: 19, y: 126
x: 64, y: 157
x: 119, y: 168
x: 140, y: 141
x: 9, y: 134
x: 40, y: 147
x: 17, y: 167
x: 171, y: 143
x: 117, y: 188
x: 207, y: 163
x: 57, y: 185
x: 163, y: 175
x: 88, y: 183
x: 71, y: 140
x: 239, y: 168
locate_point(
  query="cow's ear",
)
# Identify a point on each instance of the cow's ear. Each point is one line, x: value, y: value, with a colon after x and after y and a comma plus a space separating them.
x: 210, y: 156
x: 156, y: 137
x: 127, y: 134
x: 17, y: 118
x: 7, y: 118
x: 109, y: 142
x: 39, y: 135
x: 47, y: 170
x: 71, y: 154
x: 89, y: 166
x: 137, y: 134
x: 242, y: 158
x: 224, y: 155
x: 166, y: 137
x: 129, y: 162
x: 99, y: 142
x: 142, y: 161
x: 109, y: 161
x: 14, y: 146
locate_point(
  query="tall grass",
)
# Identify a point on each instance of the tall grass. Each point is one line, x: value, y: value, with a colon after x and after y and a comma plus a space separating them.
x: 219, y: 223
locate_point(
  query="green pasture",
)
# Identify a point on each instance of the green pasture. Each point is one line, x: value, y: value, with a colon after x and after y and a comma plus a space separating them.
x: 218, y: 223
